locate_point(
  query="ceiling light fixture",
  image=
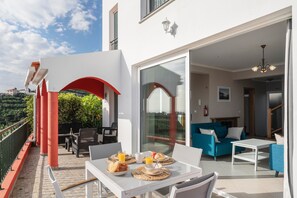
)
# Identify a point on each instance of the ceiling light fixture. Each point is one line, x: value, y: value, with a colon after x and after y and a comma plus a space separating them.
x: 262, y: 66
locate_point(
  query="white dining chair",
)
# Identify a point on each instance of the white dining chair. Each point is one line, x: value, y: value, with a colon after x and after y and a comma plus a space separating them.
x: 104, y: 151
x: 185, y: 154
x: 58, y: 190
x: 200, y: 187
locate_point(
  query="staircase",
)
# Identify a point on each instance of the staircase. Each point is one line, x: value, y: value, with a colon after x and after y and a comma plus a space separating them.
x: 270, y: 113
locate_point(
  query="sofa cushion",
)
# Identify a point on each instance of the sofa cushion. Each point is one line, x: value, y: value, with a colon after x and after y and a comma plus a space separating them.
x: 234, y: 132
x: 209, y: 132
x: 279, y: 139
x: 221, y: 131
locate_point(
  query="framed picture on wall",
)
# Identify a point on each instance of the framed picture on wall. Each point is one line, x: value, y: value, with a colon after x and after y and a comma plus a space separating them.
x: 224, y: 94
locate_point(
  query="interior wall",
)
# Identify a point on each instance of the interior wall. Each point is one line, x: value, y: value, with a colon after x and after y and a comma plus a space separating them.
x: 222, y: 78
x: 199, y: 97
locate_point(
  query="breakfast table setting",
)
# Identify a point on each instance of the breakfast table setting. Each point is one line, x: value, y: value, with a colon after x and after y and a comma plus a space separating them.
x: 127, y: 175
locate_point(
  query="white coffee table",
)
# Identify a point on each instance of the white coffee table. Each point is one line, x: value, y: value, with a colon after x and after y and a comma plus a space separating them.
x: 255, y: 145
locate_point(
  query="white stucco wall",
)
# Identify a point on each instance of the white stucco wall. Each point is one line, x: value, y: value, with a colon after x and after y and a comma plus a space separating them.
x: 198, y: 22
x: 80, y: 66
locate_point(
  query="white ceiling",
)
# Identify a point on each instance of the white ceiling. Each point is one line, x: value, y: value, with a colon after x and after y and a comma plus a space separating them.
x: 244, y: 51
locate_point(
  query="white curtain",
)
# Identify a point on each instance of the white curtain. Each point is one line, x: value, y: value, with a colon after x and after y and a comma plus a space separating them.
x: 288, y: 112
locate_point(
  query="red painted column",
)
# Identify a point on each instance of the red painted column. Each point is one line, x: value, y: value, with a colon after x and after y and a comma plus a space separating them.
x: 53, y: 129
x: 172, y: 123
x: 44, y: 120
x: 37, y: 127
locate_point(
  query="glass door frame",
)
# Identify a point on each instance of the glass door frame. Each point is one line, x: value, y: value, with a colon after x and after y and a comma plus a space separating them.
x: 185, y: 55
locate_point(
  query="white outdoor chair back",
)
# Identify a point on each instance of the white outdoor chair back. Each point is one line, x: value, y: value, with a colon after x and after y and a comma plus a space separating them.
x: 186, y: 154
x: 200, y: 187
x: 57, y: 188
x: 104, y: 150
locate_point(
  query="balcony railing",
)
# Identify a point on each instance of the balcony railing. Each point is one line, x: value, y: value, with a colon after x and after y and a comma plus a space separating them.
x: 114, y: 44
x: 12, y: 140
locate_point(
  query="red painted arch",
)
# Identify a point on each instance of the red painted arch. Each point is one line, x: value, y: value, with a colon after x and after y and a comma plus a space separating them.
x: 90, y: 84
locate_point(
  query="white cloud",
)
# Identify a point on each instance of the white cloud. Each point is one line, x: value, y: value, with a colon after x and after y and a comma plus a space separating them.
x: 35, y: 13
x: 43, y: 13
x: 81, y: 19
x: 19, y: 48
x: 22, y: 23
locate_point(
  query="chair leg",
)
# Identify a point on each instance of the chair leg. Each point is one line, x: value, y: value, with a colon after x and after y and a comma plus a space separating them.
x: 276, y: 173
x: 77, y: 153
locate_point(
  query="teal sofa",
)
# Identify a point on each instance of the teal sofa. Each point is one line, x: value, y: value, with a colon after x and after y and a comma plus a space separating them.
x: 276, y: 160
x: 207, y: 142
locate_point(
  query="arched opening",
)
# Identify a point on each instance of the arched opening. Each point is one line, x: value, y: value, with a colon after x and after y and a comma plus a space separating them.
x: 161, y: 123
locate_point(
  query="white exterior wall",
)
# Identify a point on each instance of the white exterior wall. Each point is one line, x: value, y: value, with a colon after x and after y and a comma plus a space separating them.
x: 198, y: 23
x: 80, y: 66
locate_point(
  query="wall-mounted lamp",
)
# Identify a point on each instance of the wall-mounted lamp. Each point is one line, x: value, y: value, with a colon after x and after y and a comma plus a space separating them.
x: 166, y: 26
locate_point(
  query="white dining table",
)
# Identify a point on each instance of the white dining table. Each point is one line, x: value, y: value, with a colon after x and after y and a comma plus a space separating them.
x: 127, y: 186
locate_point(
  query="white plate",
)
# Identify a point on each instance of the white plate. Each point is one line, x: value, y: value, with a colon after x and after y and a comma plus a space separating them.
x: 119, y: 173
x: 153, y: 172
x: 163, y: 160
x: 127, y: 157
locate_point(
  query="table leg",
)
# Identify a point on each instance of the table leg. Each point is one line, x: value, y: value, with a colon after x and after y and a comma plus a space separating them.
x: 256, y: 159
x: 233, y: 153
x: 89, y: 186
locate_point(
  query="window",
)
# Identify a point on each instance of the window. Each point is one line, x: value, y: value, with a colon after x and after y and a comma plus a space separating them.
x: 149, y: 6
x: 114, y: 28
x: 162, y: 102
x: 154, y: 4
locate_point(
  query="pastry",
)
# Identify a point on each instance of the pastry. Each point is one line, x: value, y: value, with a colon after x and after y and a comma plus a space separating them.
x: 159, y: 156
x: 113, y: 166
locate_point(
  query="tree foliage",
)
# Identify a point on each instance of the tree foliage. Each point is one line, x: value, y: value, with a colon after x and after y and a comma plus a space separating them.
x: 92, y: 111
x: 12, y: 109
x: 86, y: 110
x: 29, y: 109
x: 70, y: 108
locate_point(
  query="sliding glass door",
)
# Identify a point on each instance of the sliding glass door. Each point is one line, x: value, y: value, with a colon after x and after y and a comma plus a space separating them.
x: 162, y: 102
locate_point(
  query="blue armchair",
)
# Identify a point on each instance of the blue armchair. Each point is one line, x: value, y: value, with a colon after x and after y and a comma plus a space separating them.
x: 276, y: 161
x: 207, y: 142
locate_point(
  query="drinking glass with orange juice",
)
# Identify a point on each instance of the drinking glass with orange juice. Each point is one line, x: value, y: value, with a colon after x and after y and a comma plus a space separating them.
x: 122, y: 157
x: 148, y: 160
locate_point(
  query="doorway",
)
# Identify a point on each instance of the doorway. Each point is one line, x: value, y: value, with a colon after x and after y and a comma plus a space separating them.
x: 249, y: 111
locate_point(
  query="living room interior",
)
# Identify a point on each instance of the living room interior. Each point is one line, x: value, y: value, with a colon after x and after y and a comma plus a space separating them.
x: 254, y: 101
x: 228, y: 64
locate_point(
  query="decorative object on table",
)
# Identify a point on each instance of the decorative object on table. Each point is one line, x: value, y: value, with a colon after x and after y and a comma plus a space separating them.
x: 139, y: 157
x: 263, y: 67
x: 142, y: 173
x: 224, y: 94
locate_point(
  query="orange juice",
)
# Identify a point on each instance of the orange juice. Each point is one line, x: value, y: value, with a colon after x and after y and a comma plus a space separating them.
x: 122, y: 157
x: 148, y: 160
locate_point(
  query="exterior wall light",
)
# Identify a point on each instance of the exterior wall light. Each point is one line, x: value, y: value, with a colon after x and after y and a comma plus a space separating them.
x: 168, y: 29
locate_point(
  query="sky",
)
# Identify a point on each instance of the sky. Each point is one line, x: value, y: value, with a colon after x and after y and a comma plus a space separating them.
x: 34, y: 29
